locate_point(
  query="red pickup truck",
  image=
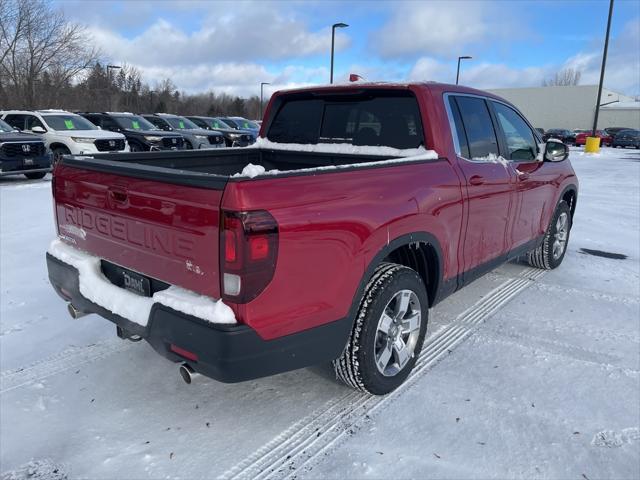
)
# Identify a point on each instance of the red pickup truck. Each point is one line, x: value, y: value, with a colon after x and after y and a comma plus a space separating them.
x: 358, y: 209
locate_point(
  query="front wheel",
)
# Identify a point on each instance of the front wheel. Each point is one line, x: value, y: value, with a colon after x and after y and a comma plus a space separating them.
x: 388, y: 332
x: 59, y: 152
x: 551, y: 251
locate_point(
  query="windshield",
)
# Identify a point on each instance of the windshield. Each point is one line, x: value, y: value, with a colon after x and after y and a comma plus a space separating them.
x: 5, y: 127
x: 231, y: 123
x: 68, y: 122
x: 247, y: 124
x: 134, y: 122
x: 217, y: 123
x: 374, y: 117
x: 181, y: 123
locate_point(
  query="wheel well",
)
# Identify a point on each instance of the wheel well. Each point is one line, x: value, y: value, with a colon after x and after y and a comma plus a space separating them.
x: 423, y: 258
x: 570, y: 197
x: 58, y: 145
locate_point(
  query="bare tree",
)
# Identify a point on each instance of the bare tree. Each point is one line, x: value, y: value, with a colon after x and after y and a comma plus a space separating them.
x: 563, y: 78
x: 37, y: 39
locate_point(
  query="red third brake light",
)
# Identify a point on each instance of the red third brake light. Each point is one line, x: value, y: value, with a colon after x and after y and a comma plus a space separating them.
x: 249, y: 250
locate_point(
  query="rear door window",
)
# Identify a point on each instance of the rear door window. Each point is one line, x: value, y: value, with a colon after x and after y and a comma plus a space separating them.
x: 521, y: 142
x: 15, y: 120
x: 480, y: 134
x: 367, y: 119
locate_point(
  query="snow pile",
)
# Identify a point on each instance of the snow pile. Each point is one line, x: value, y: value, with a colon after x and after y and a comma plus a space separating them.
x: 95, y: 287
x: 611, y: 439
x: 37, y: 470
x: 406, y: 155
x: 252, y: 170
x: 491, y: 158
x: 347, y: 149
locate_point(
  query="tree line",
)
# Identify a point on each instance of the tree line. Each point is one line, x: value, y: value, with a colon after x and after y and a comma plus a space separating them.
x: 47, y: 61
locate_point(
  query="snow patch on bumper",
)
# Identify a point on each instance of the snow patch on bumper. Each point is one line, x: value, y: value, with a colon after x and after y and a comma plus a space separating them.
x: 94, y: 286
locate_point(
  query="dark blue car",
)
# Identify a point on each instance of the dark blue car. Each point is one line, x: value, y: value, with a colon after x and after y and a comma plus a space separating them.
x: 22, y: 154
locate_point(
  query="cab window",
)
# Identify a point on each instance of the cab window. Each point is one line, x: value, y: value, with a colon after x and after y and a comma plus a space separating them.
x: 521, y: 142
x: 479, y: 135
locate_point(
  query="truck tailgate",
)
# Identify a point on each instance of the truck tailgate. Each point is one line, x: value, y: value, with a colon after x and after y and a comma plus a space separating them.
x: 165, y: 231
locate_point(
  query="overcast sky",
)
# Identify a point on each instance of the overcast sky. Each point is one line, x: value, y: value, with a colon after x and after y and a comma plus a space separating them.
x: 233, y: 46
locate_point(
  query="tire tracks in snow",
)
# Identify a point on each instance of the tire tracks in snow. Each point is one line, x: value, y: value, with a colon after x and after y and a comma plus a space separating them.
x: 296, y: 449
x: 69, y: 358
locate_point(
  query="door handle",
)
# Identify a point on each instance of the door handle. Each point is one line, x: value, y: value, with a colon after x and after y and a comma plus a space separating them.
x: 522, y: 175
x: 117, y: 195
x: 476, y: 180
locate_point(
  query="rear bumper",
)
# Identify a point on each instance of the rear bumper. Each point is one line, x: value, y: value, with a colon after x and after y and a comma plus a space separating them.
x: 228, y: 353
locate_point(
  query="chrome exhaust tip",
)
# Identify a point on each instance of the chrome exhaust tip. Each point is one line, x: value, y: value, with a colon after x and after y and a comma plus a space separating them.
x: 75, y: 312
x: 188, y: 374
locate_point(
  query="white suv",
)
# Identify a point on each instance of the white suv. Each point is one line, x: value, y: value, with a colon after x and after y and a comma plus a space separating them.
x: 65, y: 133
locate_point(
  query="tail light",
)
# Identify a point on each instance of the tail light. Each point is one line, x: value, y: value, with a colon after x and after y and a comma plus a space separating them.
x: 248, y: 253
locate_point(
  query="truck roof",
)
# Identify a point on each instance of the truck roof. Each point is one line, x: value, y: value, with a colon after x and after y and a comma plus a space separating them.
x: 434, y: 87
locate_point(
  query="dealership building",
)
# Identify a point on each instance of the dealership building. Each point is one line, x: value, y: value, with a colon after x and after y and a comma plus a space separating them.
x: 573, y: 107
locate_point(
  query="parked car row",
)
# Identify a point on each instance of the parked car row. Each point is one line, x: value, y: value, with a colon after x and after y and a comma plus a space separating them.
x: 608, y: 136
x: 30, y: 141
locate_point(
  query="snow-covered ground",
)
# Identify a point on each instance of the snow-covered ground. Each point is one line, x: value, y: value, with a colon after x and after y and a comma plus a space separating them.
x: 525, y: 374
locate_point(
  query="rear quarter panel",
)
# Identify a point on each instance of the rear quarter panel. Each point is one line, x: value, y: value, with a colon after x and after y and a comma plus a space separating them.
x: 331, y: 225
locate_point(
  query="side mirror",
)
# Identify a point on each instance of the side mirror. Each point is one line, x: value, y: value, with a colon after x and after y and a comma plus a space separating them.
x: 555, y: 151
x: 37, y: 129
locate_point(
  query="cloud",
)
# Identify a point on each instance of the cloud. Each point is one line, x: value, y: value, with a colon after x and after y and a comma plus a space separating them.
x: 440, y: 28
x: 249, y: 32
x: 622, y: 73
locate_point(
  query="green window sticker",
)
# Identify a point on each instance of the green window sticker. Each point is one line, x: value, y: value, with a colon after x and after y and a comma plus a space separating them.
x: 246, y: 125
x: 69, y: 124
x: 215, y: 124
x: 136, y: 125
x: 181, y: 123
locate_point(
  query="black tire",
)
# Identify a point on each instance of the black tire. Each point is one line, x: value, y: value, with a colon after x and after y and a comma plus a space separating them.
x: 35, y: 175
x: 136, y: 147
x: 187, y: 145
x: 357, y: 365
x: 59, y: 152
x: 543, y: 256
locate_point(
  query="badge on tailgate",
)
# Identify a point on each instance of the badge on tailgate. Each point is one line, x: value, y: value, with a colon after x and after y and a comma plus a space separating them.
x: 136, y: 283
x: 124, y: 278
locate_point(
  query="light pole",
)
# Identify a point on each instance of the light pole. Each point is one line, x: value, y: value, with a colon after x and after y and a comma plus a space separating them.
x: 466, y: 57
x: 109, y: 68
x: 592, y: 147
x: 262, y: 84
x: 333, y: 41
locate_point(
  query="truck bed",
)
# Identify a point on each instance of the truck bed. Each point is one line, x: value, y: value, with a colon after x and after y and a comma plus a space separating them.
x: 212, y: 168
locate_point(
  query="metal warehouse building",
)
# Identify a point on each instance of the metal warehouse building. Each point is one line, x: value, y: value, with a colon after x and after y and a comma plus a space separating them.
x: 573, y: 107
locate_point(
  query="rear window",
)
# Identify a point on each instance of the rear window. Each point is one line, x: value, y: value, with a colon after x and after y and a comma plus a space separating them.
x: 390, y: 119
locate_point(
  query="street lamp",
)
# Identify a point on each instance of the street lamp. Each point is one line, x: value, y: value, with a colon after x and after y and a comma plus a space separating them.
x: 594, y: 144
x: 109, y: 68
x: 466, y: 57
x: 333, y: 40
x: 262, y: 84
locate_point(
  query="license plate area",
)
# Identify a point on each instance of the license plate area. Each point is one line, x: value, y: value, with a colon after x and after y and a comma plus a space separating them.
x: 130, y: 280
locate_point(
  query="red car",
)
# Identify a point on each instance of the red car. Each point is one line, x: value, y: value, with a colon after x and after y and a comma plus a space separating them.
x: 358, y: 209
x: 605, y: 139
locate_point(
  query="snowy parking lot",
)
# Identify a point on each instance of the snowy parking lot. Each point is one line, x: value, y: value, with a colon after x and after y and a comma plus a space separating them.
x: 524, y: 374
